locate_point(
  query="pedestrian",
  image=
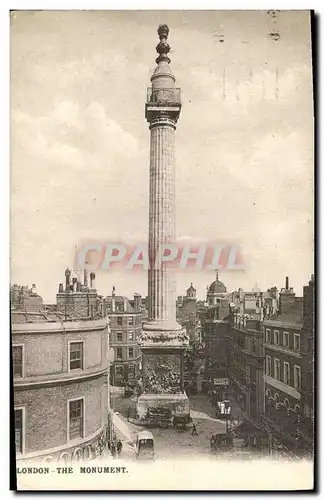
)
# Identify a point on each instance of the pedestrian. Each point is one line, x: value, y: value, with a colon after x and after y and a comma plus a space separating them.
x: 194, y: 430
x: 119, y: 447
x: 113, y: 450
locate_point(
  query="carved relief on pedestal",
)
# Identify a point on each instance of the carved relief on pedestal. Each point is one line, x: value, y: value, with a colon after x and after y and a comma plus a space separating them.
x: 162, y: 374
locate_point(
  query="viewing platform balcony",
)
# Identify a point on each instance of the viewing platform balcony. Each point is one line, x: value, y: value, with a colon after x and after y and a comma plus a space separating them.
x: 162, y: 100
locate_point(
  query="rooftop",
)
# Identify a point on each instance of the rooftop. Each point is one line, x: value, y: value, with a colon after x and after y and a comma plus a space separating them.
x: 120, y: 299
x: 20, y: 317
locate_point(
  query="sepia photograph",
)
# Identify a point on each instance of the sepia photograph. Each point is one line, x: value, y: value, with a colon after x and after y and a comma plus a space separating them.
x: 162, y: 270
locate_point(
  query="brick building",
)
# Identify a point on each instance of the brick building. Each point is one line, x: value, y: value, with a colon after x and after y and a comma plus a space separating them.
x: 61, y: 393
x: 215, y: 324
x: 125, y: 327
x: 78, y: 298
x: 187, y: 314
x: 283, y: 336
x: 307, y: 377
x: 245, y: 361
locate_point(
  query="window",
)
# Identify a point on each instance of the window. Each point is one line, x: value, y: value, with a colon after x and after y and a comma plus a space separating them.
x: 253, y: 345
x: 296, y: 341
x: 286, y: 339
x: 19, y: 430
x: 119, y: 320
x: 268, y: 365
x: 130, y: 352
x: 268, y: 335
x: 17, y: 355
x: 130, y: 321
x: 276, y: 367
x: 131, y: 371
x: 119, y: 353
x: 119, y: 336
x: 286, y: 374
x: 276, y: 337
x: 297, y: 377
x: 130, y: 336
x: 277, y: 401
x: 120, y: 371
x: 120, y: 307
x: 76, y: 355
x: 286, y: 404
x: 76, y: 419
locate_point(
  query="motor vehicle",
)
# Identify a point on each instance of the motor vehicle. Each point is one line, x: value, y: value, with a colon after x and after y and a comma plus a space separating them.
x: 181, y: 423
x: 159, y: 417
x: 144, y: 446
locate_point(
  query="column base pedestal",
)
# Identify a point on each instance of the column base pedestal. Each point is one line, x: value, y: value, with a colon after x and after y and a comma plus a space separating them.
x: 178, y: 404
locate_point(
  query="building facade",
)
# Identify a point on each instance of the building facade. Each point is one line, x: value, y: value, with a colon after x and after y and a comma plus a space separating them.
x: 61, y: 386
x: 187, y: 315
x: 215, y: 325
x: 125, y: 322
x: 245, y: 372
x: 308, y: 374
x: 283, y: 373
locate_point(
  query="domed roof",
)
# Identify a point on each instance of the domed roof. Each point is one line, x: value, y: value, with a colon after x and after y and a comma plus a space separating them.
x: 217, y: 286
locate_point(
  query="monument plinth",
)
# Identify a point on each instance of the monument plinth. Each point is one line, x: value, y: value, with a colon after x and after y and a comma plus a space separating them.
x: 163, y: 341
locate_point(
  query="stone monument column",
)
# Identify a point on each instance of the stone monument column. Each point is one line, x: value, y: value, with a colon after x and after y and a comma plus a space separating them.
x: 163, y: 341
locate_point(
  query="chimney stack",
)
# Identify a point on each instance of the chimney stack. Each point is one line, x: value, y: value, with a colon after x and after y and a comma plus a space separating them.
x: 85, y: 277
x: 78, y: 286
x: 33, y: 290
x: 286, y: 298
x: 137, y: 302
x: 92, y: 281
x: 74, y: 282
x: 67, y: 279
x: 61, y: 288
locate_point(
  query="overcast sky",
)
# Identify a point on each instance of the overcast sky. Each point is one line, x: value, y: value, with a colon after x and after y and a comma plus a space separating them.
x: 80, y: 142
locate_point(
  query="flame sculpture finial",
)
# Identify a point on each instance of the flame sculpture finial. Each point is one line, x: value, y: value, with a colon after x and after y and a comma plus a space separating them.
x: 163, y: 48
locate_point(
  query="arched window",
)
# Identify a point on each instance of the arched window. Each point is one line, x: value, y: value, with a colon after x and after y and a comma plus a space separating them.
x: 77, y: 454
x: 277, y: 401
x: 297, y: 408
x: 286, y: 404
x: 65, y: 458
x: 268, y: 393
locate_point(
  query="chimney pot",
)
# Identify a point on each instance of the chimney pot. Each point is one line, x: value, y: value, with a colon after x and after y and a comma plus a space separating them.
x: 287, y: 283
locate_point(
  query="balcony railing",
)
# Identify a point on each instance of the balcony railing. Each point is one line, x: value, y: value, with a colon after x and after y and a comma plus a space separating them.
x: 163, y: 97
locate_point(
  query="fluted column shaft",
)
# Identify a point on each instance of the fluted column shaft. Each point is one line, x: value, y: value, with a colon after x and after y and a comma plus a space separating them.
x: 161, y: 283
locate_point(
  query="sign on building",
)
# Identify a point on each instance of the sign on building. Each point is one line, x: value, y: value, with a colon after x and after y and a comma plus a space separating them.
x: 221, y: 381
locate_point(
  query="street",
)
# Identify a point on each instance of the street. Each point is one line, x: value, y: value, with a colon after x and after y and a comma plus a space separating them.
x: 169, y: 443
